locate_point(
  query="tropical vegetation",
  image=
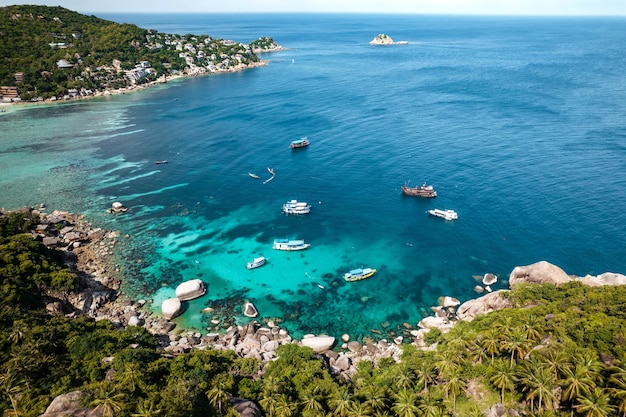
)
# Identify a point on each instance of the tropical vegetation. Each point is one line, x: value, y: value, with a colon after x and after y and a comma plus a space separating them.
x: 562, y: 353
x: 53, y: 52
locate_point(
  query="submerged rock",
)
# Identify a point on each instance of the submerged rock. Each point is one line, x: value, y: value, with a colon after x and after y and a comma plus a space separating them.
x: 249, y: 310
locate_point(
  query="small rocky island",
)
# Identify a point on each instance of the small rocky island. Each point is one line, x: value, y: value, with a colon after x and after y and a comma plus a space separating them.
x: 382, y: 39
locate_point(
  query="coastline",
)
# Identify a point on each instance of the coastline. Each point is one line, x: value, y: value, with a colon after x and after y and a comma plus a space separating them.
x: 91, y: 253
x: 4, y: 106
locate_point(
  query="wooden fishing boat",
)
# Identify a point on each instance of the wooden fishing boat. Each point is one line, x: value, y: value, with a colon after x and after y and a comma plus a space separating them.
x: 300, y: 143
x: 420, y: 191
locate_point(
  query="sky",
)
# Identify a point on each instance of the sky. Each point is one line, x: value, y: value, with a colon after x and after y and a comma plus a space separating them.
x: 488, y: 7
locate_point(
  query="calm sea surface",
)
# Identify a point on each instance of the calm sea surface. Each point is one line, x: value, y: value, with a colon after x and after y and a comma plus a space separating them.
x: 519, y: 123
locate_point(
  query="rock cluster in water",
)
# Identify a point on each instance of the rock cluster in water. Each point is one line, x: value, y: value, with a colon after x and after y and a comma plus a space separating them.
x: 90, y: 252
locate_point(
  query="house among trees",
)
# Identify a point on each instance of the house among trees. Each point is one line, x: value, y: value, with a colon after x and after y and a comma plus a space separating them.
x: 61, y: 63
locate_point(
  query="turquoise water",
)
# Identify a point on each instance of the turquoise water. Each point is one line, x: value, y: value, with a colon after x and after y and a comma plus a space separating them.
x: 519, y: 123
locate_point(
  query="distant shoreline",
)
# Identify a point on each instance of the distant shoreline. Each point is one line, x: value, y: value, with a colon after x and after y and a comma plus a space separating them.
x: 137, y: 87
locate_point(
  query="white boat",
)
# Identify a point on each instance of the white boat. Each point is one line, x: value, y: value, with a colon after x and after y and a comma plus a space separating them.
x: 256, y: 262
x: 296, y: 207
x: 444, y: 214
x: 290, y: 245
x: 358, y: 274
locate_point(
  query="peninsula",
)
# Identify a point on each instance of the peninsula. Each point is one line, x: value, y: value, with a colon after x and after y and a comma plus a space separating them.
x: 52, y: 53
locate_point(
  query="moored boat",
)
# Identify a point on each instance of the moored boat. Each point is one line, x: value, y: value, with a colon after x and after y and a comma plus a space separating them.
x: 256, y: 262
x: 444, y: 214
x: 296, y: 207
x: 300, y: 143
x: 420, y: 191
x: 358, y: 274
x: 290, y: 245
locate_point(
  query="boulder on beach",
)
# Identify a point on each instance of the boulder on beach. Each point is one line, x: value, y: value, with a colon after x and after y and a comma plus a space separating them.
x: 482, y: 305
x: 171, y: 308
x: 189, y: 290
x: 318, y: 343
x: 448, y: 302
x: 249, y: 310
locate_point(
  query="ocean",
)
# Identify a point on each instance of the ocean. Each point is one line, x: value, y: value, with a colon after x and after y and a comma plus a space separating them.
x: 518, y: 122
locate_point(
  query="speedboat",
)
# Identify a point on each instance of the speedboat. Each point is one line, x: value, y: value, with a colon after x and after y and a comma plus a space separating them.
x: 358, y: 274
x: 256, y: 262
x: 444, y: 214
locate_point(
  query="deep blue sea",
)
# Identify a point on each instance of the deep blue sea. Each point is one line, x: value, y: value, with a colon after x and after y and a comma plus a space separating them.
x: 519, y: 123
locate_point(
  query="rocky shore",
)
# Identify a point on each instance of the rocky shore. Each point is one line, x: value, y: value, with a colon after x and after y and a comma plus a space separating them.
x: 90, y: 252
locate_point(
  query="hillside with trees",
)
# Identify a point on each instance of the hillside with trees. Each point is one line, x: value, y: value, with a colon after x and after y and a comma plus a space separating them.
x: 53, y: 52
x: 562, y: 352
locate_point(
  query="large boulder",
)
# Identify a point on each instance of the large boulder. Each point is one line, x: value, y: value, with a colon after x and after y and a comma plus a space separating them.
x: 318, y: 343
x: 245, y: 408
x: 189, y: 290
x: 68, y: 405
x: 482, y: 305
x: 171, y: 308
x: 608, y: 278
x: 538, y: 273
x: 430, y: 322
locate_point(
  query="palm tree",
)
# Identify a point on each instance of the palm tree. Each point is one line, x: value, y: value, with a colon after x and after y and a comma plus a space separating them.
x: 108, y: 403
x: 146, y: 409
x: 557, y: 361
x: 340, y: 401
x: 446, y: 364
x: 268, y: 402
x: 405, y: 377
x: 425, y: 373
x: 516, y: 343
x: 358, y: 409
x: 405, y: 404
x: 503, y: 377
x: 376, y: 397
x: 454, y: 385
x: 217, y: 396
x: 284, y: 407
x: 430, y: 406
x: 532, y: 327
x: 311, y: 402
x: 595, y: 404
x: 576, y: 383
x: 491, y: 343
x: 129, y: 376
x: 618, y: 389
x: 475, y: 412
x: 540, y: 384
x: 12, y: 387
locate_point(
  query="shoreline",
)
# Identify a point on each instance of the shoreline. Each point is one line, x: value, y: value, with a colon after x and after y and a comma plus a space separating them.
x: 7, y: 106
x: 91, y: 253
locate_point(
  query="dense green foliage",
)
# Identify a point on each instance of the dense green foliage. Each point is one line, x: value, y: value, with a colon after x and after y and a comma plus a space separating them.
x: 33, y: 39
x: 561, y: 353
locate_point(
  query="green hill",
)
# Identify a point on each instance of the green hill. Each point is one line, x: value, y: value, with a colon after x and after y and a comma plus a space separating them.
x: 52, y: 52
